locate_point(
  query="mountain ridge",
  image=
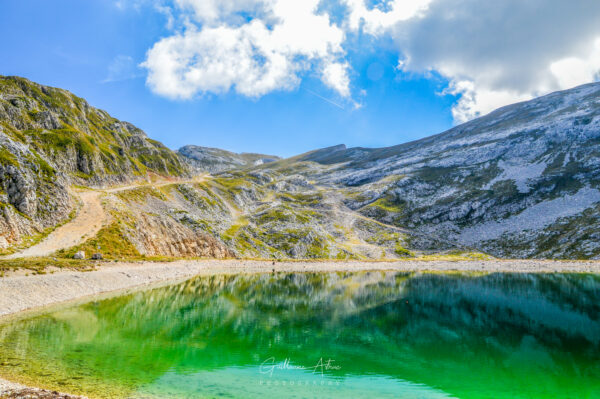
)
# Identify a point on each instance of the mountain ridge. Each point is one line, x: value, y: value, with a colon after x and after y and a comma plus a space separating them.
x: 51, y: 139
x: 520, y: 182
x: 214, y: 160
x: 483, y: 175
x: 380, y: 152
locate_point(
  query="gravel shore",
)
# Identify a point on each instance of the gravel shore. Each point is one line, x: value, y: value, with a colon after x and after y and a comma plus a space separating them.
x: 19, y: 293
x: 12, y: 390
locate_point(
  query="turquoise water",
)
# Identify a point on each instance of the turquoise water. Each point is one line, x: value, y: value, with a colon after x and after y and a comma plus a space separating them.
x: 322, y: 335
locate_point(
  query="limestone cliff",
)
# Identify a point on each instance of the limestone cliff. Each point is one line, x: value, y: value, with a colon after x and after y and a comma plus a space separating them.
x: 50, y: 139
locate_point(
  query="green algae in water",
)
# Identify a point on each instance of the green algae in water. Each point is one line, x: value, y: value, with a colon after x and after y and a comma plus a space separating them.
x: 323, y: 335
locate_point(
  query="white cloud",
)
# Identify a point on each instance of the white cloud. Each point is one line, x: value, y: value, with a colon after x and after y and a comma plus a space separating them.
x: 497, y: 53
x: 217, y: 12
x: 492, y: 52
x: 218, y: 50
x: 475, y: 101
x: 335, y: 75
x: 375, y: 20
x: 573, y: 71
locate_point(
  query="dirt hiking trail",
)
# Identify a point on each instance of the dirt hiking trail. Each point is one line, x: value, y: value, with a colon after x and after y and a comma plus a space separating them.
x: 87, y: 223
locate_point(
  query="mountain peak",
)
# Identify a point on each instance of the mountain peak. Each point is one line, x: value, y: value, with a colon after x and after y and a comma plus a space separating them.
x: 215, y: 160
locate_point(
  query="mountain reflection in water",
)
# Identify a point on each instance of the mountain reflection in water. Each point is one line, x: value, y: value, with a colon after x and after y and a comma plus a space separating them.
x: 385, y: 334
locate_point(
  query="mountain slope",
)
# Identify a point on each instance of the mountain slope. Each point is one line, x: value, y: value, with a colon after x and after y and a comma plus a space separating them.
x: 50, y: 139
x: 214, y: 160
x: 522, y: 181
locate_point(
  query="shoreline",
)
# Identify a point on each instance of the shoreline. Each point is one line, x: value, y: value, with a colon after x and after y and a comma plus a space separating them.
x: 10, y: 389
x: 22, y: 296
x: 20, y: 293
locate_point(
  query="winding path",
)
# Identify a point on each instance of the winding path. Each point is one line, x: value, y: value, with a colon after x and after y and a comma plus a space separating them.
x: 88, y: 222
x: 91, y: 217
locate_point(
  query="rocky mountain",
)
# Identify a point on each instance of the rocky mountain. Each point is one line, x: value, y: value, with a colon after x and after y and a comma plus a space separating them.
x: 258, y: 215
x: 520, y: 182
x: 214, y: 160
x: 51, y: 139
x: 523, y: 181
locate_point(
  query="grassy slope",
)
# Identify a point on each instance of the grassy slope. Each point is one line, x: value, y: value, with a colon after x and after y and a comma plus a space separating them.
x: 51, y: 138
x: 53, y: 122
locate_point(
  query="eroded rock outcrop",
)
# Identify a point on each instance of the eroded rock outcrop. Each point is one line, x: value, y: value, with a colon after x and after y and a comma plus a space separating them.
x: 50, y: 139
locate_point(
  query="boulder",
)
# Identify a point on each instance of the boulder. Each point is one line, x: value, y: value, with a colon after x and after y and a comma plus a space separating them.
x: 97, y: 256
x: 79, y: 255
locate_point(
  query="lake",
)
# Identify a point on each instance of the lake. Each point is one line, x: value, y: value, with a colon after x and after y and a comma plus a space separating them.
x: 322, y: 335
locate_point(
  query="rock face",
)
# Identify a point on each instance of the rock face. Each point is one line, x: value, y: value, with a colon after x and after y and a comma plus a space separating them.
x: 214, y: 160
x: 241, y: 216
x: 523, y: 181
x: 149, y: 221
x: 159, y: 230
x: 50, y: 139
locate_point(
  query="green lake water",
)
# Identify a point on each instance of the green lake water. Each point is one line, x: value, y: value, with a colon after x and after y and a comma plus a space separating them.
x: 322, y: 335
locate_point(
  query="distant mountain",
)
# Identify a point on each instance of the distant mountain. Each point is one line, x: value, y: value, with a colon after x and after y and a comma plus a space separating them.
x: 336, y: 154
x: 522, y: 181
x: 214, y: 160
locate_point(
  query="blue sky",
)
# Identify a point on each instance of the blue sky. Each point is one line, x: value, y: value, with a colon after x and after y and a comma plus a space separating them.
x: 381, y: 80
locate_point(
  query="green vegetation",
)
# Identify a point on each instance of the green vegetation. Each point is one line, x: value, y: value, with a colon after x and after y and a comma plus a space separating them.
x: 47, y: 170
x: 393, y: 240
x: 141, y: 194
x: 110, y: 241
x: 401, y: 251
x: 302, y: 199
x: 251, y: 247
x: 294, y: 242
x: 344, y: 254
x: 456, y: 255
x: 287, y: 214
x: 233, y: 230
x: 71, y: 124
x: 387, y: 204
x: 201, y: 196
x: 7, y: 158
x: 60, y: 139
x: 276, y: 214
x: 385, y: 237
x: 198, y: 225
x: 357, y: 196
x: 233, y: 184
x: 40, y: 265
x: 318, y: 249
